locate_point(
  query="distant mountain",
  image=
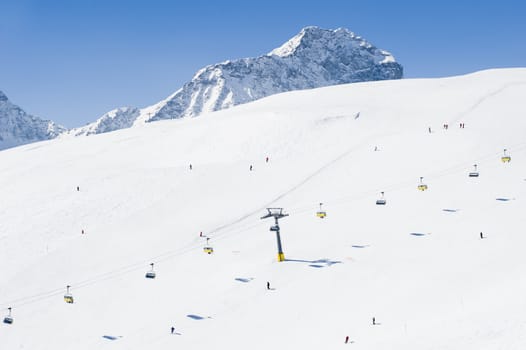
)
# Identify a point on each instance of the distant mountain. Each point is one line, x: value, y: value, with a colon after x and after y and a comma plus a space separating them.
x: 314, y: 58
x: 18, y: 128
x: 119, y: 118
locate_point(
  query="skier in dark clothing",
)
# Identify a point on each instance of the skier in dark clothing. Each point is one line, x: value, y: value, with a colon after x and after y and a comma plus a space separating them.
x: 481, y: 236
x: 266, y: 159
x: 173, y: 330
x: 346, y: 339
x: 190, y: 166
x: 251, y: 168
x: 374, y: 321
x: 78, y: 188
x: 268, y: 285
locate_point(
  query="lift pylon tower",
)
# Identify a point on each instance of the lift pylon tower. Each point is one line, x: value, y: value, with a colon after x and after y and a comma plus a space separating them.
x: 276, y: 213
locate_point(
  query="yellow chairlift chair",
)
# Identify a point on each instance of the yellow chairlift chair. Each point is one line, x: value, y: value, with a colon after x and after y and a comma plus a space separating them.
x: 422, y: 186
x: 505, y: 158
x: 68, y: 297
x: 321, y: 213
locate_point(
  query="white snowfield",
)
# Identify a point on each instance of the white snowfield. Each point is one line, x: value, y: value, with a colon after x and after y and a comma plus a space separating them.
x: 417, y: 265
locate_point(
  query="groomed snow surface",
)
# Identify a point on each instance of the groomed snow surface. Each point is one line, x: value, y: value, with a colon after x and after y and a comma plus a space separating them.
x: 417, y: 265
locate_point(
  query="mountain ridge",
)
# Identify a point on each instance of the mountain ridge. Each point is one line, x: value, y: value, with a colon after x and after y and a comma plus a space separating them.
x: 313, y: 58
x: 17, y: 127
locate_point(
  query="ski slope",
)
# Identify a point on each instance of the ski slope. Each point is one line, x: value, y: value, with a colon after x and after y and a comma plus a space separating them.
x: 417, y: 264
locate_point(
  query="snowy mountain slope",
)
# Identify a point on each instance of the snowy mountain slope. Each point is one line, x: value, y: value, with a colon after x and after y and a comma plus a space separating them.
x: 417, y: 265
x: 314, y: 58
x: 116, y: 119
x: 18, y: 128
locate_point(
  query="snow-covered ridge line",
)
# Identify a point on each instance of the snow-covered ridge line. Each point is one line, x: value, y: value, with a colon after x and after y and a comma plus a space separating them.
x: 18, y: 127
x: 313, y: 58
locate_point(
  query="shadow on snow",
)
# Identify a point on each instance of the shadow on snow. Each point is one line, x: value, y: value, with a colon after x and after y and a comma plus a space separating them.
x: 320, y: 263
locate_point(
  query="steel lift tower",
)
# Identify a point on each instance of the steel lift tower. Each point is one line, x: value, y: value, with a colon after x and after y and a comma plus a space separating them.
x: 276, y: 213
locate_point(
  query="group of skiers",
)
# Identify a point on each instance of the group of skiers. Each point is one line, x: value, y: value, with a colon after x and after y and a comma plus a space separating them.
x: 445, y: 126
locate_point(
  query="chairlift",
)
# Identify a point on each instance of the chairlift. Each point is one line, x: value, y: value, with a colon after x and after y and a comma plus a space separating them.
x: 422, y: 186
x: 505, y: 158
x: 151, y: 273
x: 68, y: 297
x: 207, y: 248
x: 274, y: 228
x: 321, y: 213
x: 474, y: 173
x: 8, y: 319
x: 382, y: 200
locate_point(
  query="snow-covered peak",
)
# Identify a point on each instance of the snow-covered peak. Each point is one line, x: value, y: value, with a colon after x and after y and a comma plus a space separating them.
x: 18, y: 127
x: 289, y: 47
x: 315, y: 41
x: 3, y: 97
x: 115, y: 119
x: 304, y: 36
x: 315, y: 57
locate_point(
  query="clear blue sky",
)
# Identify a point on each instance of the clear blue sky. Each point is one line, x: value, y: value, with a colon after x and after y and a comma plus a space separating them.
x: 73, y: 60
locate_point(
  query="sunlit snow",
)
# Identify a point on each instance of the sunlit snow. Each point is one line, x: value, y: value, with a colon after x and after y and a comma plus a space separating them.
x: 417, y: 264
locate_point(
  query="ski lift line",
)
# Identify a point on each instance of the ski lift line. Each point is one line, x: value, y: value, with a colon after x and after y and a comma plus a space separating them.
x: 457, y: 168
x: 115, y: 273
x: 138, y: 266
x: 368, y: 194
x: 106, y: 276
x: 33, y: 299
x: 353, y: 197
x: 171, y: 254
x: 244, y: 228
x: 42, y: 296
x: 460, y: 167
x: 401, y: 185
x: 295, y: 187
x: 405, y: 184
x: 390, y: 188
